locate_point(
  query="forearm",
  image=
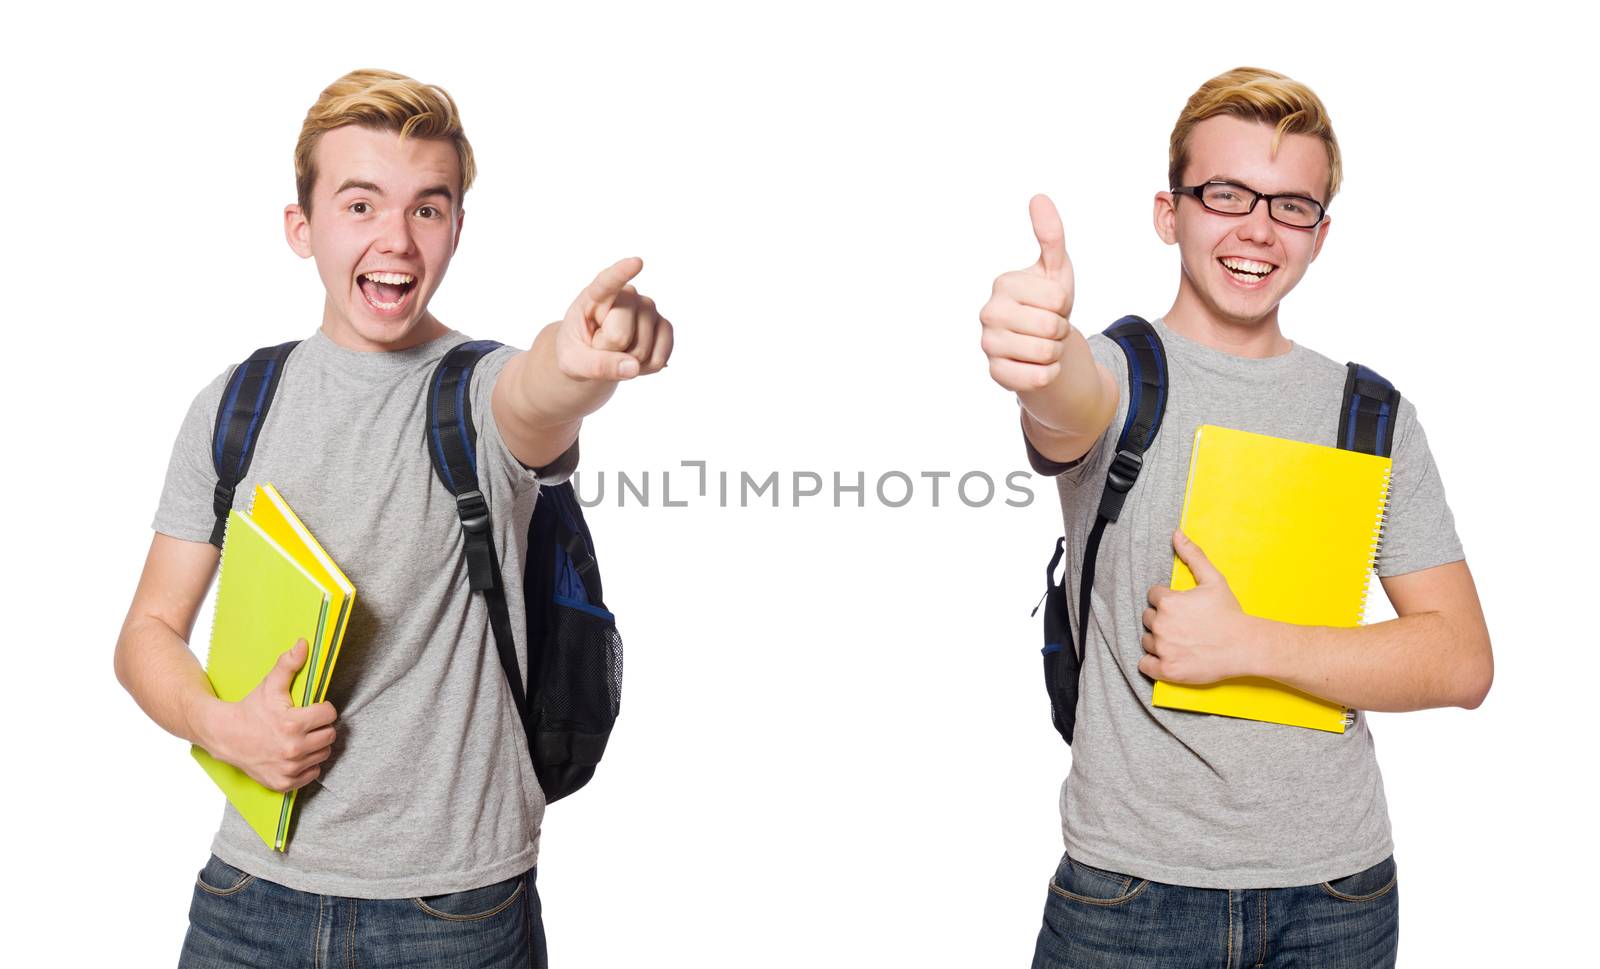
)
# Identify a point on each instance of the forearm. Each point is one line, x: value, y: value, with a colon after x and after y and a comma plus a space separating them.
x: 546, y: 396
x: 155, y: 666
x: 546, y: 407
x: 1415, y: 662
x: 1067, y: 415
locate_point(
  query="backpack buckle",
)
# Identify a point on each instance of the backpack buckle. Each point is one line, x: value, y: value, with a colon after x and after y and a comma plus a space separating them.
x: 474, y: 512
x: 1124, y: 470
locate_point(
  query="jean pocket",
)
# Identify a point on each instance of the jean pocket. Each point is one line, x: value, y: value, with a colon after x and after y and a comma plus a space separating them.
x: 220, y: 878
x: 1095, y: 886
x: 474, y: 903
x: 1363, y: 886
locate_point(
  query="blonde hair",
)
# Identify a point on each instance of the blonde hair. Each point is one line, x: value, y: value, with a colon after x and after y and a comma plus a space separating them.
x: 383, y: 101
x: 1254, y: 94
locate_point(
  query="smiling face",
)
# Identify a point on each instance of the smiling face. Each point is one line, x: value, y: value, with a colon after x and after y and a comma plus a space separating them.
x: 385, y: 220
x: 1237, y: 268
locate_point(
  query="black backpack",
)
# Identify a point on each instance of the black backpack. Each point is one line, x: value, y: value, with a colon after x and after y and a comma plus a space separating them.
x: 1366, y: 424
x: 573, y: 689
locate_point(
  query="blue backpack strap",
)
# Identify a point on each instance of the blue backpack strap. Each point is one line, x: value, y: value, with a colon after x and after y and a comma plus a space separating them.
x: 453, y: 449
x: 244, y: 405
x: 1368, y: 413
x: 1147, y: 405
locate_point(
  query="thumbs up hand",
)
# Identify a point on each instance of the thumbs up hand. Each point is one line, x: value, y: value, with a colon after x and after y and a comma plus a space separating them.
x: 612, y: 332
x: 1199, y: 635
x: 280, y: 745
x: 1025, y: 322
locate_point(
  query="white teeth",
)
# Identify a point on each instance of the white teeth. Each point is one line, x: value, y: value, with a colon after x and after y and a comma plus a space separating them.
x: 1247, y: 265
x: 393, y: 279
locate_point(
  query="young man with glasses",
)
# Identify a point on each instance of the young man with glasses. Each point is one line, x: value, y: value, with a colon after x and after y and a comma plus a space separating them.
x: 1189, y: 835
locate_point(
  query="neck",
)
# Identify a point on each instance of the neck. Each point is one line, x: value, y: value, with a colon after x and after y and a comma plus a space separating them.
x: 1193, y: 318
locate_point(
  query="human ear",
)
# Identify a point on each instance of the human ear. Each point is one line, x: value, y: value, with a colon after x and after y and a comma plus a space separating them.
x: 297, y: 230
x: 461, y: 220
x: 1322, y: 233
x: 1166, y: 217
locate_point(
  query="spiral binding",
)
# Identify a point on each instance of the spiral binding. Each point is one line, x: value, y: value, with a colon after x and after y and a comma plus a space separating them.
x: 1378, y: 527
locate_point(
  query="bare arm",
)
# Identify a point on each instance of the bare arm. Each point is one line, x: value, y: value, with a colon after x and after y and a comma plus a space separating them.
x: 1435, y: 654
x: 265, y: 735
x: 153, y: 661
x: 1067, y: 397
x: 610, y: 333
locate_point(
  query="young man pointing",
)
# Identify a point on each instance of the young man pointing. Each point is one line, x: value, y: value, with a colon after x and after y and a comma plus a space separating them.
x: 418, y: 818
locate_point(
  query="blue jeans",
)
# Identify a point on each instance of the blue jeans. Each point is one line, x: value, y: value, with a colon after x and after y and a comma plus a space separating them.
x: 239, y: 920
x: 1096, y: 918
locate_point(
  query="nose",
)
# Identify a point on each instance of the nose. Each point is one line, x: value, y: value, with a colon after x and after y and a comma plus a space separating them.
x: 394, y: 232
x: 1257, y: 227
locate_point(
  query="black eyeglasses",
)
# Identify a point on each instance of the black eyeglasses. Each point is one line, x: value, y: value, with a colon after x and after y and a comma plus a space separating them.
x: 1231, y: 198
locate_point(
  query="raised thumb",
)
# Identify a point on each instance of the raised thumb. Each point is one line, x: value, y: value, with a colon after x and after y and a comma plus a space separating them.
x: 1052, y: 238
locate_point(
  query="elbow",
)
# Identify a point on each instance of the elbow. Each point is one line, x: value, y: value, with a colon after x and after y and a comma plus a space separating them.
x: 1478, y: 673
x: 119, y: 659
x: 124, y: 658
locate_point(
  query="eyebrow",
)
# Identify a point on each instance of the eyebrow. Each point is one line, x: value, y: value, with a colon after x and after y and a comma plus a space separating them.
x: 1303, y: 193
x: 351, y: 183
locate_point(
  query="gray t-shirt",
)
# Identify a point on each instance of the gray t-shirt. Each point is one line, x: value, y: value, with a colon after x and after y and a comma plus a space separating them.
x: 429, y: 788
x: 1210, y: 801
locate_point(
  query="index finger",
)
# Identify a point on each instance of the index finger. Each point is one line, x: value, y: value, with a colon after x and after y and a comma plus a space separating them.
x: 609, y: 283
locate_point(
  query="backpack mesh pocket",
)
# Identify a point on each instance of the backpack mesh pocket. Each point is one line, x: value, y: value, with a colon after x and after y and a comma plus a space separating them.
x: 580, y: 671
x: 578, y: 697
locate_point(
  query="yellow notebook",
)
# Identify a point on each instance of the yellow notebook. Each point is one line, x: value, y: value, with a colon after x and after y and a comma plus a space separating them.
x: 282, y: 525
x: 1294, y: 528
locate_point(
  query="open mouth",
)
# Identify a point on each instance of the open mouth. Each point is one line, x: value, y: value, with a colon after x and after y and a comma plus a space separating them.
x: 385, y: 291
x: 1247, y: 271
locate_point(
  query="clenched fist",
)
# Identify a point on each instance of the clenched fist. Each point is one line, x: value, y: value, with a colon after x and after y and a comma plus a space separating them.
x: 1025, y: 322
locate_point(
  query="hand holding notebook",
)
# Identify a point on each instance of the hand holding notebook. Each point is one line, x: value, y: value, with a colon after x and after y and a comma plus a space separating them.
x: 278, y: 744
x: 1190, y: 636
x: 1295, y: 529
x: 277, y: 587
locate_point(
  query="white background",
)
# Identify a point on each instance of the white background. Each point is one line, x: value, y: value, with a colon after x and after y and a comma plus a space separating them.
x: 835, y: 747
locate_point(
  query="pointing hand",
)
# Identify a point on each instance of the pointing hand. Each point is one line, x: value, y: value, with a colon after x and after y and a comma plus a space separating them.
x: 612, y: 332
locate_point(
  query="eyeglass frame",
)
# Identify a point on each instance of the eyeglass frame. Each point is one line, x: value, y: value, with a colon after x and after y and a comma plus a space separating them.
x: 1198, y: 190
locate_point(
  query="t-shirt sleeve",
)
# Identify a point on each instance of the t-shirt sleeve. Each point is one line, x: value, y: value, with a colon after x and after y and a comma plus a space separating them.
x: 1419, y: 531
x: 185, y: 510
x: 492, y: 447
x: 1108, y: 356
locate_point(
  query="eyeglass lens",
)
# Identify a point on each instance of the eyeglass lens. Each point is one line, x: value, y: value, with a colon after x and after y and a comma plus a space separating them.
x: 1236, y: 200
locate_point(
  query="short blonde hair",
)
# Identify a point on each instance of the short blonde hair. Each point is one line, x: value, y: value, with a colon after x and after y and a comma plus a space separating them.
x: 1254, y: 94
x: 383, y: 101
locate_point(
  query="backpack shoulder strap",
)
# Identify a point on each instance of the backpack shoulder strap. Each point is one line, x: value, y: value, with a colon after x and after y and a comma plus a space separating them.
x: 1147, y: 405
x: 1368, y: 413
x: 453, y: 449
x: 244, y: 405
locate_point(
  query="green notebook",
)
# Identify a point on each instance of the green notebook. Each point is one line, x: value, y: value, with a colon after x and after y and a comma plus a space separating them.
x: 265, y: 601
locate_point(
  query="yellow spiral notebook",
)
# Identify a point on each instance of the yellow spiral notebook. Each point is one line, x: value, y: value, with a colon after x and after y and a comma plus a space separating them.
x: 277, y: 585
x: 1295, y: 529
